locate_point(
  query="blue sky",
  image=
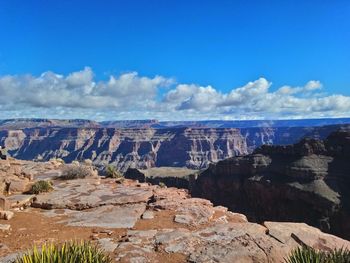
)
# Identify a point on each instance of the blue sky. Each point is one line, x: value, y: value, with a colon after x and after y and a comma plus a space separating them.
x: 222, y: 44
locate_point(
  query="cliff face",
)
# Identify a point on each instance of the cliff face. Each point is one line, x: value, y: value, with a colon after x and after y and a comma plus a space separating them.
x: 306, y: 182
x: 143, y: 147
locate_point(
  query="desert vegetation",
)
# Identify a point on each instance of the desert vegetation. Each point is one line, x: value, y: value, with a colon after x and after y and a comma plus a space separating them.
x: 310, y: 255
x: 112, y: 172
x: 162, y: 185
x: 77, y: 171
x: 69, y: 252
x: 41, y: 186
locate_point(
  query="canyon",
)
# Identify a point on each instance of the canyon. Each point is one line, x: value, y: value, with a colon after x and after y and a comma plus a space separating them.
x: 149, y: 143
x: 137, y: 222
x: 304, y: 182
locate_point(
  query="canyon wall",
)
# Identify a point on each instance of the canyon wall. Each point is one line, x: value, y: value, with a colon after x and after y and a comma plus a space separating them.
x: 305, y: 182
x: 144, y: 147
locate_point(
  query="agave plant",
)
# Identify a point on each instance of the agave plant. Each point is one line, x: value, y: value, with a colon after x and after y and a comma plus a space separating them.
x: 310, y: 255
x: 69, y: 252
x: 339, y: 256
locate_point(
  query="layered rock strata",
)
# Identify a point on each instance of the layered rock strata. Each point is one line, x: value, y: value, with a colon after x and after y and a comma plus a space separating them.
x: 305, y: 182
x: 143, y: 148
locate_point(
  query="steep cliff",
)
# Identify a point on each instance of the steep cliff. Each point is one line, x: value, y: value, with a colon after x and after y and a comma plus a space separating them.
x: 145, y: 147
x: 305, y: 182
x: 125, y: 148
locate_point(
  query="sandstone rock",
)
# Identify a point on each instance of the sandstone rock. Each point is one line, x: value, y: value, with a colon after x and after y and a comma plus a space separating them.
x: 7, y: 215
x: 121, y: 216
x: 73, y: 195
x: 304, y: 235
x: 148, y: 215
x: 20, y: 186
x: 4, y: 203
x: 4, y: 227
x: 18, y: 201
x: 107, y: 244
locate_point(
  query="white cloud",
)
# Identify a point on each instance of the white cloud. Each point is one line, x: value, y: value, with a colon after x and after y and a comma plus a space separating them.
x: 130, y: 96
x: 310, y: 86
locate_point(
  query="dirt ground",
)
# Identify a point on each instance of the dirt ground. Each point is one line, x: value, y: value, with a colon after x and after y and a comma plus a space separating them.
x: 30, y: 227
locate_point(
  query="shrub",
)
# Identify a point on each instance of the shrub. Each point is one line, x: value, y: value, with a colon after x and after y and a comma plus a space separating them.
x: 112, y: 172
x: 69, y: 252
x: 77, y: 171
x: 339, y: 256
x: 57, y: 160
x: 310, y: 255
x: 41, y: 187
x: 162, y: 185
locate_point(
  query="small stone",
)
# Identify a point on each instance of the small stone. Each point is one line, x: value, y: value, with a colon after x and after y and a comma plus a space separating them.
x: 4, y: 227
x: 148, y: 215
x: 107, y: 231
x: 183, y: 219
x: 7, y: 215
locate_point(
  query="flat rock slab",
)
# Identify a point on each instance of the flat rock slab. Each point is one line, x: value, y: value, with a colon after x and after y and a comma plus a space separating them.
x: 148, y: 215
x: 120, y: 216
x: 240, y: 242
x: 20, y: 200
x: 107, y: 244
x: 89, y: 193
x: 304, y: 234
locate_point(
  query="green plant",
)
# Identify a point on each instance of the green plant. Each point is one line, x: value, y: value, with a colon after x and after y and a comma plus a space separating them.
x: 339, y: 256
x: 305, y: 255
x: 76, y: 171
x: 112, y: 172
x: 162, y: 185
x: 310, y: 255
x: 41, y: 187
x: 69, y: 252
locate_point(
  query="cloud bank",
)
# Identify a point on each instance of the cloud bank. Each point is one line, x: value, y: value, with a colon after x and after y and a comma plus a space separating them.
x: 130, y: 96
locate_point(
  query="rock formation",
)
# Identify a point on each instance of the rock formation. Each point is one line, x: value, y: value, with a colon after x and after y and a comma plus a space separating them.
x: 305, y: 182
x: 142, y: 147
x: 138, y: 222
x: 125, y: 148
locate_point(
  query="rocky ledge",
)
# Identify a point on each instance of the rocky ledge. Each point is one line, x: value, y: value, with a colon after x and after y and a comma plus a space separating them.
x: 138, y: 222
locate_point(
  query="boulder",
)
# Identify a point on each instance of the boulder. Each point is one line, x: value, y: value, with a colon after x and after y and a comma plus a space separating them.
x: 4, y: 203
x: 7, y: 215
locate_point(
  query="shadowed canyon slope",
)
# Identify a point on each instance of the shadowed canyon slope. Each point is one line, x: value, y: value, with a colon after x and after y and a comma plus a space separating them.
x: 305, y: 182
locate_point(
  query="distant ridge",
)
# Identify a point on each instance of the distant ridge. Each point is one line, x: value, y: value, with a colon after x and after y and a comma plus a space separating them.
x: 23, y: 123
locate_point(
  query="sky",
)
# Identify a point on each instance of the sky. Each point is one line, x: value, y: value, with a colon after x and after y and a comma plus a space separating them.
x: 175, y: 60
